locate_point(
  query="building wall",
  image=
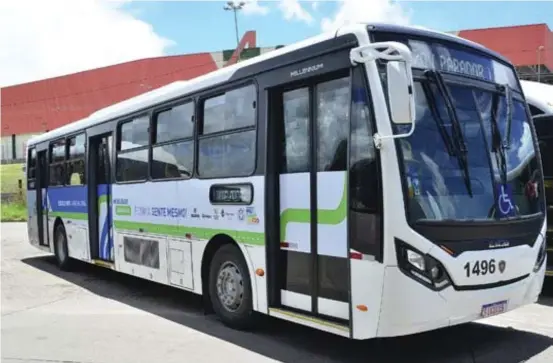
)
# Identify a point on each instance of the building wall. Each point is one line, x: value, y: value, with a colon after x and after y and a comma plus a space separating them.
x: 528, y: 47
x: 518, y: 43
x: 36, y: 107
x: 14, y: 151
x: 6, y: 148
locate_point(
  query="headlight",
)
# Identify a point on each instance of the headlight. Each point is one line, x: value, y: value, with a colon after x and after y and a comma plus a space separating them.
x: 421, y: 267
x: 541, y: 255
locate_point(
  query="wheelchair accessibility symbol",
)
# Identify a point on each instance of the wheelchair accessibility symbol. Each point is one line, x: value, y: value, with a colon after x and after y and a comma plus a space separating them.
x: 504, y: 200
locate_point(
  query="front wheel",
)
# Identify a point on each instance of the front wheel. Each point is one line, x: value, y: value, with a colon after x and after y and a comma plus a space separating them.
x: 61, y: 251
x: 230, y: 288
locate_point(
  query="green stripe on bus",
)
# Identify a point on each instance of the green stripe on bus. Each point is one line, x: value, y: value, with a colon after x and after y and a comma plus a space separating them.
x: 123, y: 210
x: 324, y: 216
x: 253, y: 238
x: 101, y: 200
x: 69, y: 215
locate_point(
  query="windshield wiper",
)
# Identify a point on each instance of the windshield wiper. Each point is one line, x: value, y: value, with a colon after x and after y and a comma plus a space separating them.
x: 459, y: 143
x: 509, y: 116
x: 432, y: 104
x: 498, y: 147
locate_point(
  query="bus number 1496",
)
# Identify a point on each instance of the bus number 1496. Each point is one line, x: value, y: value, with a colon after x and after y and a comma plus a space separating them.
x: 482, y: 267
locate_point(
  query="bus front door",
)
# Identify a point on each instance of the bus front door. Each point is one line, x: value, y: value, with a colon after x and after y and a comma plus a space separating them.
x: 312, y: 265
x: 41, y: 199
x: 100, y: 219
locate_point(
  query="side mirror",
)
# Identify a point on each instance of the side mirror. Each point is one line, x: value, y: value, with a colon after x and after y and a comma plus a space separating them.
x: 400, y: 93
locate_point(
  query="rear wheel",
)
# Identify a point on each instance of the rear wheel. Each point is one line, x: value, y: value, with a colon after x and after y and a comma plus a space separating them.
x: 60, y: 247
x: 230, y: 288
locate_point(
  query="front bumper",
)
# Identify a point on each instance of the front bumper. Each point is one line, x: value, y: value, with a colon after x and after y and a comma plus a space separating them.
x: 408, y: 307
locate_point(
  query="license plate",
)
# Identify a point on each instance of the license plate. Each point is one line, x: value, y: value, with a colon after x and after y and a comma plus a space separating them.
x: 493, y: 308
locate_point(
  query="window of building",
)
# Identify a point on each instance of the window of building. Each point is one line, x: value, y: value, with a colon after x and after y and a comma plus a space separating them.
x: 227, y: 140
x: 132, y: 150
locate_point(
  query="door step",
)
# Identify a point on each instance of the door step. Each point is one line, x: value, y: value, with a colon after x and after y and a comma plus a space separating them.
x: 106, y: 264
x: 311, y: 321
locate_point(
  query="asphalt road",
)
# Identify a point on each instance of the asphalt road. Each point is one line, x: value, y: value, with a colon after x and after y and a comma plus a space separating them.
x: 94, y: 315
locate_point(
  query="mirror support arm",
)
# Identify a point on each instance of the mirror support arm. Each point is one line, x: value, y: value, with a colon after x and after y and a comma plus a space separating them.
x: 390, y: 51
x: 393, y: 51
x: 378, y: 138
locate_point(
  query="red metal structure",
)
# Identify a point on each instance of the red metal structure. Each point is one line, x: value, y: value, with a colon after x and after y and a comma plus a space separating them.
x: 528, y: 47
x: 43, y: 105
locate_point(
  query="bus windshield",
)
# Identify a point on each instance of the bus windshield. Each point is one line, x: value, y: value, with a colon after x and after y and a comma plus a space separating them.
x: 472, y: 155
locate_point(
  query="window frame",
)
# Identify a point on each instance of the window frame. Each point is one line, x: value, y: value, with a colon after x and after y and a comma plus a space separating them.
x: 200, y: 111
x: 119, y: 139
x: 310, y: 114
x: 51, y: 144
x: 33, y: 167
x: 153, y: 138
x: 311, y: 85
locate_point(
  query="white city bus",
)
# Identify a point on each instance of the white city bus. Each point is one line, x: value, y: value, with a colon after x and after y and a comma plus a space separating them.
x: 539, y: 97
x: 370, y: 182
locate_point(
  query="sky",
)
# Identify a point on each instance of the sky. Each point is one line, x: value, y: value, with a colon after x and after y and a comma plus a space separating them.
x: 47, y: 38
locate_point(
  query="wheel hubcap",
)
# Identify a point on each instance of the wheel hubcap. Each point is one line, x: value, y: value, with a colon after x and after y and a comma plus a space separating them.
x: 230, y: 287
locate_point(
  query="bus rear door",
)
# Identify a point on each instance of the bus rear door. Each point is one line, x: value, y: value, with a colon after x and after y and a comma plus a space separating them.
x: 99, y: 189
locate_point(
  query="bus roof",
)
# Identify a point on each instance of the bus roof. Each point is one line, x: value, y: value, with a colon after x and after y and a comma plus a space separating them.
x: 181, y: 88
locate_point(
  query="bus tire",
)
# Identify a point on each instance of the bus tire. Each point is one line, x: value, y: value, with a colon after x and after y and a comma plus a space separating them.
x: 60, y: 247
x: 230, y: 288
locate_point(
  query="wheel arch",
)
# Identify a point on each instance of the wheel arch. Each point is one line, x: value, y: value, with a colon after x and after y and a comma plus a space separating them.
x: 57, y: 222
x: 214, y: 244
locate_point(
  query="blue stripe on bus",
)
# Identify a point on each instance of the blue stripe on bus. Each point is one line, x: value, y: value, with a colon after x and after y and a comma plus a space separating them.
x: 70, y: 199
x: 106, y: 242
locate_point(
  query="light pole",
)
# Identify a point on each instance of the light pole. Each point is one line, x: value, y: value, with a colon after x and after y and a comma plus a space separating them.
x: 235, y: 6
x: 540, y: 48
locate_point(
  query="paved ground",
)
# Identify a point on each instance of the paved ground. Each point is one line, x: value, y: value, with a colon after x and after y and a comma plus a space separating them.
x: 97, y: 316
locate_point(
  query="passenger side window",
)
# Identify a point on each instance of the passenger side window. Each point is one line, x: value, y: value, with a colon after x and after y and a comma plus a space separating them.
x: 296, y: 131
x: 132, y: 150
x: 75, y: 165
x: 175, y: 123
x: 362, y: 161
x: 57, y: 163
x: 31, y: 169
x: 135, y: 133
x: 173, y: 148
x: 332, y: 99
x: 227, y: 138
x: 364, y: 179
